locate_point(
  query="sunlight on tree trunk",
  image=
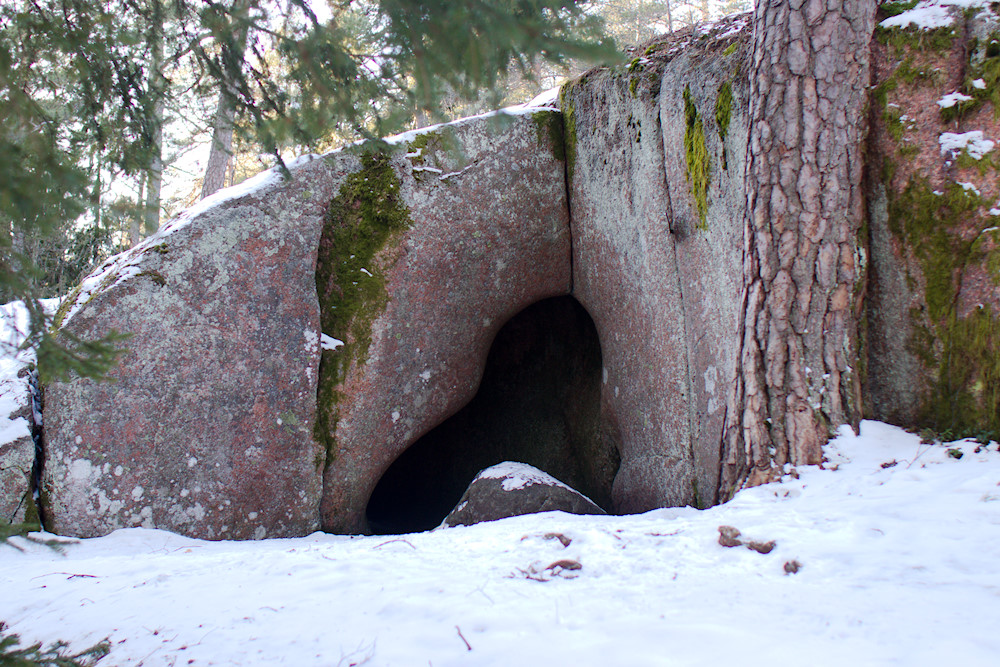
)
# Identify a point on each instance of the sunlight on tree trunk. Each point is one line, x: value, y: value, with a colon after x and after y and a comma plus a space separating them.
x: 802, y: 267
x: 225, y: 114
x: 157, y: 89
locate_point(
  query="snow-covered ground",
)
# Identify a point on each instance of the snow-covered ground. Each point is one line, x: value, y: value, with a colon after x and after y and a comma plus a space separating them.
x: 898, y: 545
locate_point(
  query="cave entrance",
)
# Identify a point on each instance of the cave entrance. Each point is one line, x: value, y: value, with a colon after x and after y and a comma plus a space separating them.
x: 538, y: 403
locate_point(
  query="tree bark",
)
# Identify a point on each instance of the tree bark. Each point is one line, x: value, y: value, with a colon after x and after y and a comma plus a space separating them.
x: 225, y: 113
x: 803, y: 268
x: 157, y: 88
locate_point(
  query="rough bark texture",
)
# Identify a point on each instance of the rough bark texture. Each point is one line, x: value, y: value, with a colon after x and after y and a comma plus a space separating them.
x: 225, y: 112
x: 157, y: 89
x: 809, y: 81
x: 222, y: 147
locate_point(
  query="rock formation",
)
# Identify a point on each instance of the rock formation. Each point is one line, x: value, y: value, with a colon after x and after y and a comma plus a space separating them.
x: 513, y: 489
x: 295, y: 341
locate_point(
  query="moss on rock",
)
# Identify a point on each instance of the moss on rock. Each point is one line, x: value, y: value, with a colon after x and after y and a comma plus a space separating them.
x: 724, y: 109
x: 550, y: 127
x: 963, y: 353
x: 569, y: 127
x: 698, y: 165
x: 364, y: 218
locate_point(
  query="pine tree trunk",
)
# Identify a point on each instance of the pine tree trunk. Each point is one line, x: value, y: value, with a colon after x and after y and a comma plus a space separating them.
x: 157, y: 88
x: 802, y: 266
x: 225, y: 113
x: 134, y: 228
x: 222, y: 146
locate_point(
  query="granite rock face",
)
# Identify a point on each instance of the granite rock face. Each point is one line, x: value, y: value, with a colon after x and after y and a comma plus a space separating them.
x: 514, y: 489
x: 291, y: 341
x: 17, y: 416
x: 475, y: 228
x: 657, y: 204
x: 933, y: 299
x: 218, y: 422
x: 205, y: 425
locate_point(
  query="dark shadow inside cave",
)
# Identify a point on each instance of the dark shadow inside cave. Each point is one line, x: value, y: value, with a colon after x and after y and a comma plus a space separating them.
x: 538, y: 403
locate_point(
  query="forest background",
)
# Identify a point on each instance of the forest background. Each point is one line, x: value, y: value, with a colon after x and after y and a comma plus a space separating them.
x: 115, y: 116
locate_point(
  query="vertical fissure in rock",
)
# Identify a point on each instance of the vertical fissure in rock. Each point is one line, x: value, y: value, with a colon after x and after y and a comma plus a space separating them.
x: 567, y: 186
x: 38, y: 437
x: 689, y: 403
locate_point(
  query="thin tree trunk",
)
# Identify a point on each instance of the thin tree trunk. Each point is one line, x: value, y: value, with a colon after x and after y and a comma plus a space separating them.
x: 134, y: 227
x: 157, y: 88
x: 225, y: 114
x: 802, y: 265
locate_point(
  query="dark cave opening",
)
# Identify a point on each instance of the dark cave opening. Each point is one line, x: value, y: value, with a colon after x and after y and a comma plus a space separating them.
x: 538, y: 403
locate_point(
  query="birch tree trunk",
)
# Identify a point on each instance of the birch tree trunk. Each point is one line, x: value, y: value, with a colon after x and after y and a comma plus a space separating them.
x: 802, y: 262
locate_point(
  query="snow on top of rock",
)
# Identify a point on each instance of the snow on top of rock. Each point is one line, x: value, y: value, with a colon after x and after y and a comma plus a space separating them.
x: 519, y: 475
x: 265, y: 178
x: 547, y: 99
x: 930, y: 14
x: 972, y: 142
x: 951, y: 99
x: 125, y: 265
x: 540, y: 103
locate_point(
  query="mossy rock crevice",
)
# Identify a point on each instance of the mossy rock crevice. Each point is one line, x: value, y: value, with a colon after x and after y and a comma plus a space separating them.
x: 365, y: 218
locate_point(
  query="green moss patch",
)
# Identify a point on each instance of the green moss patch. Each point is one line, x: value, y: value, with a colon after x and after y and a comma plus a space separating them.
x: 365, y: 217
x: 724, y: 109
x: 967, y: 400
x: 697, y: 158
x: 568, y: 107
x: 963, y: 352
x: 937, y: 39
x: 984, y: 65
x: 896, y: 8
x: 551, y: 132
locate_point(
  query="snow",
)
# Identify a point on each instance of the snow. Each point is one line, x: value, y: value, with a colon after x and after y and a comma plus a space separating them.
x: 518, y: 476
x: 329, y: 342
x: 266, y: 178
x: 930, y: 14
x: 125, y: 265
x: 972, y: 142
x: 547, y: 99
x: 951, y: 99
x: 970, y: 187
x: 540, y: 103
x: 14, y: 392
x: 898, y: 544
